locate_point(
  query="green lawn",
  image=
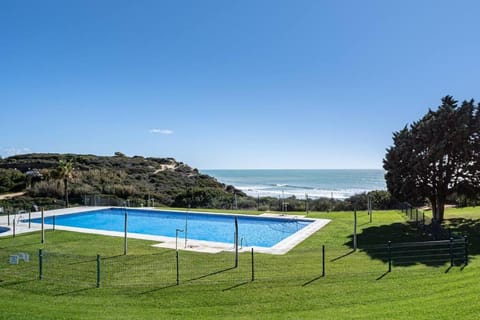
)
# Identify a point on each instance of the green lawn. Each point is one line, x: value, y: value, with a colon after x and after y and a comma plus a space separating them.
x: 142, y: 284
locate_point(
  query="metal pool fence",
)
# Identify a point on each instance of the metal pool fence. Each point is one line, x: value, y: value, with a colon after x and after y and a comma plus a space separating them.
x: 167, y: 268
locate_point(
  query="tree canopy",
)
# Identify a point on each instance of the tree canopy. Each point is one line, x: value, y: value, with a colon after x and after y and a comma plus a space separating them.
x: 436, y: 156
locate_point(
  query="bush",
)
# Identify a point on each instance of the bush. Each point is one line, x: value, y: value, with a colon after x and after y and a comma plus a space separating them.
x: 11, y: 180
x: 52, y: 189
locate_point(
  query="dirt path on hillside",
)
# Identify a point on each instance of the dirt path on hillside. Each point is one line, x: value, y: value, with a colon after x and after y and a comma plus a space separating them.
x: 11, y: 195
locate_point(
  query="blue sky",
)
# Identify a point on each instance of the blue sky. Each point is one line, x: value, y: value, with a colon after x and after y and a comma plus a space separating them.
x: 230, y: 84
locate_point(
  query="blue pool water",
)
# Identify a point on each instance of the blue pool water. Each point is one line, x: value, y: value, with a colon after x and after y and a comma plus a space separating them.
x: 255, y: 231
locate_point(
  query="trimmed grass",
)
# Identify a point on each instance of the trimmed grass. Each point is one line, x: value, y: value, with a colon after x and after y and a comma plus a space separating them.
x: 356, y: 285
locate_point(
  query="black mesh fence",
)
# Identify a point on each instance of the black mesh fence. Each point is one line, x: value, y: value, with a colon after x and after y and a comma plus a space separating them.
x: 72, y: 270
x: 170, y: 268
x: 418, y: 217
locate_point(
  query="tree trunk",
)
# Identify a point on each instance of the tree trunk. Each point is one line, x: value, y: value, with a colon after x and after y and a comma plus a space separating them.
x: 441, y: 199
x: 65, y: 184
x: 435, y: 225
x: 433, y: 201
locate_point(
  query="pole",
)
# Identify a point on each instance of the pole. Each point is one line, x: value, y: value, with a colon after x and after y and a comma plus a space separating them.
x: 466, y: 250
x: 451, y: 252
x: 53, y: 222
x: 355, y: 229
x: 306, y: 203
x: 40, y: 264
x: 178, y: 273
x: 14, y: 226
x: 98, y: 270
x: 29, y: 219
x: 389, y: 256
x: 236, y: 242
x: 253, y: 267
x: 323, y: 260
x: 125, y: 228
x: 258, y: 201
x: 331, y: 202
x: 176, y: 238
x: 43, y: 226
x: 186, y: 230
x: 8, y: 217
x: 370, y: 209
x: 368, y: 204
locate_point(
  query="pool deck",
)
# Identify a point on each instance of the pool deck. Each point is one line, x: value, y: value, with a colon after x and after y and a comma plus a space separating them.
x: 282, y: 247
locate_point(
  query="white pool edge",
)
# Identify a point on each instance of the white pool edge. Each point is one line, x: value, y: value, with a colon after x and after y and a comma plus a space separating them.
x: 280, y: 248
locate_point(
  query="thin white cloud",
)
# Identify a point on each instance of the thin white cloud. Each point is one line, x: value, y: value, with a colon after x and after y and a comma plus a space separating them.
x: 12, y: 151
x: 161, y: 131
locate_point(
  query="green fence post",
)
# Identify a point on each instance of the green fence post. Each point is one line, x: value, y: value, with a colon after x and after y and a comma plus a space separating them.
x: 53, y: 222
x: 13, y: 227
x: 355, y: 229
x: 178, y: 275
x: 389, y: 256
x: 98, y: 270
x: 43, y: 226
x: 125, y: 231
x: 8, y: 217
x: 253, y: 267
x: 40, y: 264
x: 466, y: 250
x: 451, y: 252
x: 323, y: 260
x: 29, y: 219
x: 236, y: 242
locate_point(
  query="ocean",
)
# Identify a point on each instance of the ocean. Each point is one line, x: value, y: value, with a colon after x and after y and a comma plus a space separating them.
x: 339, y: 184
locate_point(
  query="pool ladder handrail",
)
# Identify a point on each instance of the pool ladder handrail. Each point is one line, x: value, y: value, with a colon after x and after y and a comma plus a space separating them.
x: 241, y: 242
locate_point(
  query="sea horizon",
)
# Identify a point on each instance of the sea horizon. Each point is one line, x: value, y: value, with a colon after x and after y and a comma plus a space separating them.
x: 314, y: 183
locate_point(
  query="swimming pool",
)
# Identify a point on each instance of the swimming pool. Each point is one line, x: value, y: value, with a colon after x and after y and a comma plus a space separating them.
x: 253, y: 230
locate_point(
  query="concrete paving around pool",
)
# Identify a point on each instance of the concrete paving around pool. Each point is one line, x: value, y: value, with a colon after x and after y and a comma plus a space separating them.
x: 22, y: 226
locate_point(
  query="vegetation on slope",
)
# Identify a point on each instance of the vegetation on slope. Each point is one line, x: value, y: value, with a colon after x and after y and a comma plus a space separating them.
x: 48, y: 178
x: 163, y: 179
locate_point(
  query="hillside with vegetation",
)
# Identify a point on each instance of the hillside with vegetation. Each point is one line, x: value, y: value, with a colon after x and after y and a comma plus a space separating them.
x: 136, y: 179
x: 141, y: 181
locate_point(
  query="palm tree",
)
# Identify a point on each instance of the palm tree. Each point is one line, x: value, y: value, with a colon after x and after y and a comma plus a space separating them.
x: 65, y: 172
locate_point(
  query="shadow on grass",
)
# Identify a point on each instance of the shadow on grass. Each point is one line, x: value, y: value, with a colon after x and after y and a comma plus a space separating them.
x: 236, y: 286
x: 159, y: 288
x: 373, y: 241
x: 210, y: 274
x: 14, y: 283
x: 382, y: 276
x: 136, y: 255
x: 312, y: 281
x: 343, y: 256
x: 74, y: 291
x: 469, y: 228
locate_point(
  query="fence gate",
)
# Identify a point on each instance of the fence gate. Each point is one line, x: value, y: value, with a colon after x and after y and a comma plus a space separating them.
x: 453, y: 251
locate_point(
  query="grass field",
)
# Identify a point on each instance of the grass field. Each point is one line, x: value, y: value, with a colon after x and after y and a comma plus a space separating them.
x: 356, y: 285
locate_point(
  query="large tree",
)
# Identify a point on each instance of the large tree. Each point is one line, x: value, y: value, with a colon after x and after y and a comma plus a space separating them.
x: 436, y: 156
